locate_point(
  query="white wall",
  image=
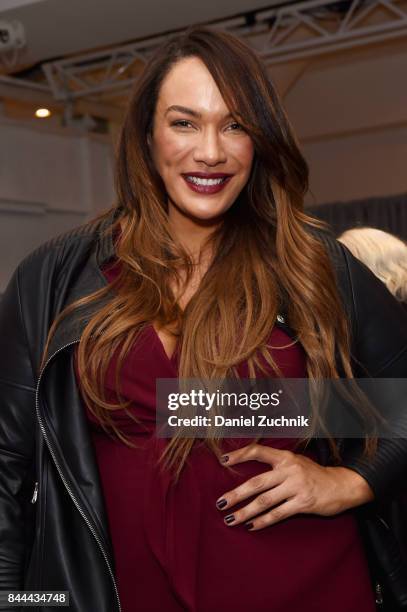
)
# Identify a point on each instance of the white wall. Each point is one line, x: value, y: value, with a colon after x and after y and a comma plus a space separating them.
x: 350, y: 114
x: 358, y: 166
x: 50, y: 181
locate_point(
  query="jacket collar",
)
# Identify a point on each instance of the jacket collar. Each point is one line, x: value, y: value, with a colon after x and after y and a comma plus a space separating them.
x: 99, y: 249
x: 105, y: 246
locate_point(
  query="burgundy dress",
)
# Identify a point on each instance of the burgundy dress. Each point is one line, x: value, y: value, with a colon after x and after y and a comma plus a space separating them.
x: 173, y: 551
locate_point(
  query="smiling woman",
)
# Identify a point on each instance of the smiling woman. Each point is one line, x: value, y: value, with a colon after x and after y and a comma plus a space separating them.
x: 207, y: 267
x: 199, y: 134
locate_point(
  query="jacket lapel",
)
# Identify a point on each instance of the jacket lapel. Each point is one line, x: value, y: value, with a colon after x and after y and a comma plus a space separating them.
x: 60, y: 402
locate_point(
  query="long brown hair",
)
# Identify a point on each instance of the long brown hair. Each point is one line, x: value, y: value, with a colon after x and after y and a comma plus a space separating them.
x: 265, y: 255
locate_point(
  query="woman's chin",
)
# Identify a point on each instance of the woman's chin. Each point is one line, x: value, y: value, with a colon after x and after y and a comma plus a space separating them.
x: 206, y: 216
x: 206, y: 212
x: 199, y: 211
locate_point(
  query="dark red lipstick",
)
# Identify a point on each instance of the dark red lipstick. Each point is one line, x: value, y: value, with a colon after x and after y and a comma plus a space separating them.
x: 206, y: 182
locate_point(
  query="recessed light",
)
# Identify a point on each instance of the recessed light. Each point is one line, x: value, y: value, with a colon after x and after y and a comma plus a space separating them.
x: 42, y: 113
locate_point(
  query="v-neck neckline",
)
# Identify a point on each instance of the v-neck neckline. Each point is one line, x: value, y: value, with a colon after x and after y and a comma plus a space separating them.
x: 170, y: 359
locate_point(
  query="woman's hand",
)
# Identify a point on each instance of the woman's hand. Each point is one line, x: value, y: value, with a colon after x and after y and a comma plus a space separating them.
x: 295, y: 484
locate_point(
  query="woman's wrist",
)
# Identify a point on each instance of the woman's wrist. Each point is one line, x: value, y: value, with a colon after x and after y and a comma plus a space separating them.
x: 354, y: 489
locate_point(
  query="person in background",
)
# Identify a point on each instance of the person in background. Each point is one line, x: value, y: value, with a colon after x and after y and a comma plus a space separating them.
x: 383, y: 253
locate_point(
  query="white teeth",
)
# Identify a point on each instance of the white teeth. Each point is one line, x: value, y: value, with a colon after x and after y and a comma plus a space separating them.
x: 202, y: 181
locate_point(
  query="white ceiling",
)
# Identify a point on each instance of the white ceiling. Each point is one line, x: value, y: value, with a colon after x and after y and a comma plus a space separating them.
x: 55, y: 28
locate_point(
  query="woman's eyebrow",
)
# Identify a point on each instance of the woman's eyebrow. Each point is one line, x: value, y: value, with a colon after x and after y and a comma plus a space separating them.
x: 188, y: 111
x: 183, y: 109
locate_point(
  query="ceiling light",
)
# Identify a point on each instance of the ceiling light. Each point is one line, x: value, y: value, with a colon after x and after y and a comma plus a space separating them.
x: 42, y: 113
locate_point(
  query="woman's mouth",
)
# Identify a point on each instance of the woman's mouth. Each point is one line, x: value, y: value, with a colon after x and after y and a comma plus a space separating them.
x: 206, y: 185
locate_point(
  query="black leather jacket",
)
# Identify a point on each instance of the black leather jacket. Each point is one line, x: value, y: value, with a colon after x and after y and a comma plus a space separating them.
x: 53, y: 525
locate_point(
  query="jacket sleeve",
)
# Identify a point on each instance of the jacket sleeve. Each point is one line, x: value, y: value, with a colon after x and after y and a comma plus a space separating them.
x: 17, y: 436
x: 379, y: 351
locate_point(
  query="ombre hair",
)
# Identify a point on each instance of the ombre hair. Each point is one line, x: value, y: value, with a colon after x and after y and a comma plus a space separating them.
x: 266, y: 254
x: 383, y: 253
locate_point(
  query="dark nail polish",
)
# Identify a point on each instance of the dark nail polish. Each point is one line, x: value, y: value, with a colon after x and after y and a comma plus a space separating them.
x: 249, y: 525
x: 224, y: 459
x: 229, y: 518
x: 221, y: 503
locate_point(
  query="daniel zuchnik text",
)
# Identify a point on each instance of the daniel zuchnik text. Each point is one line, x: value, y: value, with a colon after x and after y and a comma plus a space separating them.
x: 256, y: 420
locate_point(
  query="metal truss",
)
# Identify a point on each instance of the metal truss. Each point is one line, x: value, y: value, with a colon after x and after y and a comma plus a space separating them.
x: 311, y: 28
x: 104, y: 72
x: 292, y: 31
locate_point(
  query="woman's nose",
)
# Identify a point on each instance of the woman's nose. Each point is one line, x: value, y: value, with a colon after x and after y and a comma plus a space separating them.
x: 209, y: 148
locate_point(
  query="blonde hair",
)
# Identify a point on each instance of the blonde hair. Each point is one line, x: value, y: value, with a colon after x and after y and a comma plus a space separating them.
x: 383, y: 253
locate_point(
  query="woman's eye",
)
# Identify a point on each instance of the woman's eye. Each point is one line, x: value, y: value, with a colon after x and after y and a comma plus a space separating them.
x: 236, y: 126
x: 181, y: 123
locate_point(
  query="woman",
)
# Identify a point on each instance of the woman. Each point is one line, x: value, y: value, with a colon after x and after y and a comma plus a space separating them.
x: 383, y: 253
x: 207, y: 267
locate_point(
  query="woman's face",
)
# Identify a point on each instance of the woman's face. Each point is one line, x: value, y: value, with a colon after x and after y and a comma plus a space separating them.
x: 200, y: 152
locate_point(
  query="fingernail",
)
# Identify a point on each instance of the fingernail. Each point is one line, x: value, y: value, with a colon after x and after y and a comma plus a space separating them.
x: 224, y: 459
x: 249, y: 525
x: 221, y: 503
x: 229, y: 518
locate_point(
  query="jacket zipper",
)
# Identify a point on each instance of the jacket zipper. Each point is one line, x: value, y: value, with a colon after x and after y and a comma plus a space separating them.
x: 35, y: 493
x: 71, y: 494
x: 378, y: 594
